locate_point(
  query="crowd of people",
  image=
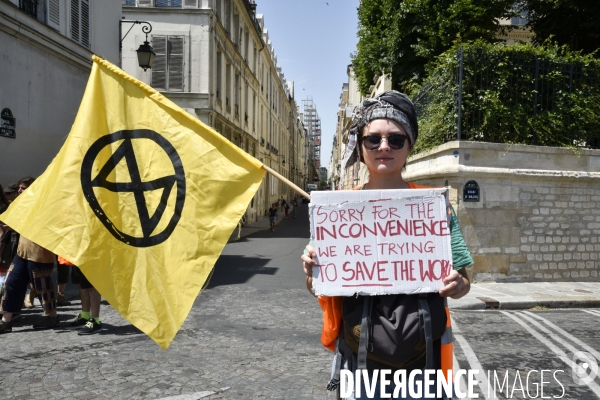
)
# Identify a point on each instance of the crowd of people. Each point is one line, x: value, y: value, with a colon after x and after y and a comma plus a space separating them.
x: 26, y: 274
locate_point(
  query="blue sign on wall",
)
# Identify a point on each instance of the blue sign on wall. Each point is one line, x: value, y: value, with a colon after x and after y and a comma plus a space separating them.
x: 471, y: 191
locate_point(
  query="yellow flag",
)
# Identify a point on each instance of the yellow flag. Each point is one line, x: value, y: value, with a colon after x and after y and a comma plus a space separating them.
x: 142, y: 197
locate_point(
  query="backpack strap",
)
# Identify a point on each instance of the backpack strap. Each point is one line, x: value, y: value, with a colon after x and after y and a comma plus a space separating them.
x: 364, y: 334
x: 334, y: 383
x: 425, y: 326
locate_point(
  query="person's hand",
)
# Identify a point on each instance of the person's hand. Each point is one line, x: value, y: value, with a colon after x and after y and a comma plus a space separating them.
x: 457, y: 284
x: 308, y: 263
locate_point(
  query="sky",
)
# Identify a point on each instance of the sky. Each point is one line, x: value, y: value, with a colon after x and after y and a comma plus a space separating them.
x: 313, y: 40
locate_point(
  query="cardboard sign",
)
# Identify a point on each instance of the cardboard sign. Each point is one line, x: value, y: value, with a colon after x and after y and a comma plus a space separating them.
x: 374, y: 242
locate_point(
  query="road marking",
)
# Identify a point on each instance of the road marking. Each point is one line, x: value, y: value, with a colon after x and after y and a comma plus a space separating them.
x: 561, y: 354
x: 471, y: 358
x: 462, y: 383
x: 593, y: 312
x: 194, y: 396
x: 567, y: 335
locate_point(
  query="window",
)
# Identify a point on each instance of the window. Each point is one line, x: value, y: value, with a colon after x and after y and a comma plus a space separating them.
x: 235, y: 32
x: 167, y: 70
x: 168, y: 3
x: 227, y: 14
x: 53, y: 13
x: 227, y: 83
x: 219, y: 76
x: 237, y: 93
x: 29, y: 7
x: 247, y: 45
x: 80, y: 22
x: 129, y: 3
x: 218, y: 9
x: 253, y: 110
x: 246, y: 101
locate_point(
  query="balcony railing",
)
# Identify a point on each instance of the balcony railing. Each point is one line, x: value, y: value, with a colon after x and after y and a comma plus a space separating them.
x: 29, y: 7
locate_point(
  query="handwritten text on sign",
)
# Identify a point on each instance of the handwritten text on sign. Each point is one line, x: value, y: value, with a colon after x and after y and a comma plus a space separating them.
x: 380, y: 241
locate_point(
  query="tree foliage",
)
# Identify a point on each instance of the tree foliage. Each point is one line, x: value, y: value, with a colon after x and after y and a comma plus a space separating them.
x: 404, y: 37
x: 569, y: 22
x: 522, y: 94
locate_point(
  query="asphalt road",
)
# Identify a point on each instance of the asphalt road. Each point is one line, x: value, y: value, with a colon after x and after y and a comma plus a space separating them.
x: 517, y: 345
x: 254, y: 332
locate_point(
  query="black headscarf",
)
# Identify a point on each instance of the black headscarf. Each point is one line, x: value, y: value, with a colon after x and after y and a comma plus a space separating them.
x: 391, y: 105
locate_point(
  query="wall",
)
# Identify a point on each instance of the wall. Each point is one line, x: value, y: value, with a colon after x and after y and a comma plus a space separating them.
x: 44, y: 74
x: 538, y: 217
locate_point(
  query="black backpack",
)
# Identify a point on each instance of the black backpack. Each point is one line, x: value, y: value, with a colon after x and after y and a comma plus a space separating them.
x: 397, y: 326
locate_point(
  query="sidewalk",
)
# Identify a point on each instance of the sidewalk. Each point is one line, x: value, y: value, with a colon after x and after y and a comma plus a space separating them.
x: 518, y: 296
x: 505, y: 296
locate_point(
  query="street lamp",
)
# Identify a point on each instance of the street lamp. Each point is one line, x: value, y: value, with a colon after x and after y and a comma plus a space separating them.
x: 145, y: 52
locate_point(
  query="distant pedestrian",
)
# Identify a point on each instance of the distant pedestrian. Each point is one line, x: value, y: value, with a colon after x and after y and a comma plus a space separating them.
x: 294, y: 206
x: 273, y: 215
x: 286, y: 207
x: 282, y: 203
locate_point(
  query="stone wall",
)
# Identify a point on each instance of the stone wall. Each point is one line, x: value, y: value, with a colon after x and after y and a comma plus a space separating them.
x: 538, y: 217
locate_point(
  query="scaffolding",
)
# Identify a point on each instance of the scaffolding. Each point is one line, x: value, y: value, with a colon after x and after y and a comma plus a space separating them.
x: 312, y: 123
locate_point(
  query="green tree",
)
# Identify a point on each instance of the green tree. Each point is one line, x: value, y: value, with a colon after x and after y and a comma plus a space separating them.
x: 569, y: 22
x: 404, y: 37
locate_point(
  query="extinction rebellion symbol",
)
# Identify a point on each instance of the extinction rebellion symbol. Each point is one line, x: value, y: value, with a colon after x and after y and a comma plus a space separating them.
x: 117, y: 217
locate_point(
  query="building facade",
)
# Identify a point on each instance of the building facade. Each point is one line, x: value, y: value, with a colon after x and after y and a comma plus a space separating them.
x: 216, y: 61
x: 46, y: 48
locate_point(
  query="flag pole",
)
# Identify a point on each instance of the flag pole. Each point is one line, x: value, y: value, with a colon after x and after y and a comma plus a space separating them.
x: 286, y: 181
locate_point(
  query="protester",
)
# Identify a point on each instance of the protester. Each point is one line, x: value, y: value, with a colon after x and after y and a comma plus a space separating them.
x: 386, y: 129
x: 286, y: 206
x: 4, y: 247
x: 32, y: 264
x: 282, y: 203
x: 88, y: 320
x: 273, y: 215
x: 9, y: 239
x: 62, y: 278
x: 11, y: 192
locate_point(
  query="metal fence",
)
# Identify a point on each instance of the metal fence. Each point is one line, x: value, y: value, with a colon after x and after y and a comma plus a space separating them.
x: 505, y: 96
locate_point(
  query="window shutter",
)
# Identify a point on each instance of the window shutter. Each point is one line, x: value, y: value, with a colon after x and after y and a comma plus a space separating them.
x: 175, y: 63
x: 144, y: 3
x: 85, y: 23
x: 159, y: 68
x: 75, y: 26
x: 80, y: 22
x: 190, y: 3
x: 53, y: 13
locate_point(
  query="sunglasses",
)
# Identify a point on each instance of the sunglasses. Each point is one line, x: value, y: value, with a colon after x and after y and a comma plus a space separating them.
x: 396, y: 142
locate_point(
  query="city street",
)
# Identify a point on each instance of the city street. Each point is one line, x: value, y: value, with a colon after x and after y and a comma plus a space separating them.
x: 254, y: 332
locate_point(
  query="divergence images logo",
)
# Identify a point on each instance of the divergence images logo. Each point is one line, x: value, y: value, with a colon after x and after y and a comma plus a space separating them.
x: 585, y: 368
x: 134, y: 185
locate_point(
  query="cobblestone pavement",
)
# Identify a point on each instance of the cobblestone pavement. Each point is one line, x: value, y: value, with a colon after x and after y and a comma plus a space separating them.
x: 252, y: 334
